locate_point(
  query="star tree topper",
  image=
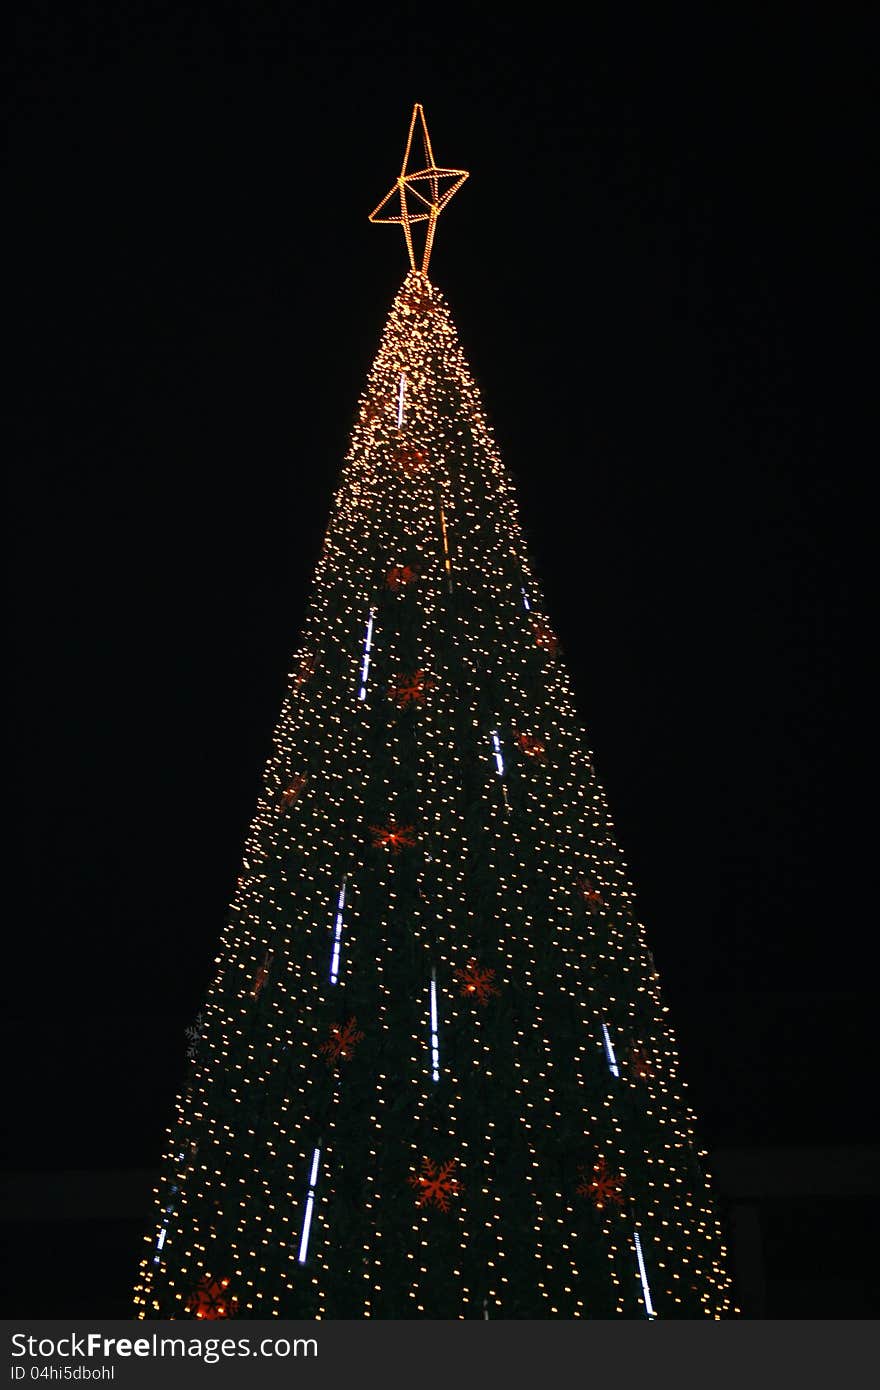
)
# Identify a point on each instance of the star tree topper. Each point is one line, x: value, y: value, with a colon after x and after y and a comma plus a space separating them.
x: 422, y: 195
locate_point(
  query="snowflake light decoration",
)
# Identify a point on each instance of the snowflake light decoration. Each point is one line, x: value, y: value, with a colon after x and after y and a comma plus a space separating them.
x: 410, y: 690
x: 292, y: 793
x: 193, y: 1035
x: 435, y: 1184
x: 375, y: 408
x: 399, y: 576
x: 591, y: 896
x: 532, y: 747
x: 418, y: 301
x: 545, y: 636
x: 602, y: 1187
x: 392, y: 837
x: 209, y: 1299
x: 410, y: 460
x: 343, y: 1040
x: 262, y: 975
x: 306, y: 669
x: 640, y: 1064
x: 476, y: 980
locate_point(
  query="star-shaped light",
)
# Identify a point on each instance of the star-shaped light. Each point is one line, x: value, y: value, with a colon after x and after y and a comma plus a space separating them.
x: 421, y: 195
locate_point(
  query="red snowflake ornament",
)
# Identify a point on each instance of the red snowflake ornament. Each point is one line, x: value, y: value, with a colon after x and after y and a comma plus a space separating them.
x: 435, y: 1184
x: 418, y: 301
x: 410, y: 460
x: 306, y: 669
x: 342, y: 1042
x: 532, y: 747
x: 641, y: 1067
x: 400, y: 575
x: 393, y: 837
x: 209, y: 1299
x: 476, y: 980
x: 591, y: 896
x: 545, y: 636
x: 375, y: 408
x: 602, y: 1187
x: 291, y: 793
x: 410, y: 690
x: 262, y: 975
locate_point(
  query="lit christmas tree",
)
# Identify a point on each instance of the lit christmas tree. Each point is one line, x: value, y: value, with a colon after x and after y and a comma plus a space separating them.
x: 433, y: 1075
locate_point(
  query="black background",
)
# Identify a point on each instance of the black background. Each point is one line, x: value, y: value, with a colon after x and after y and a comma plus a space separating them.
x: 656, y: 272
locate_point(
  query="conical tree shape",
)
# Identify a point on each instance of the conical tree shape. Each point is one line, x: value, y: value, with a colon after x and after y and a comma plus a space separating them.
x: 434, y: 1076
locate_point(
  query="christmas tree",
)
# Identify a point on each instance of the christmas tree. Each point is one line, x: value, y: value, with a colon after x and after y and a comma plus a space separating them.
x: 433, y: 1076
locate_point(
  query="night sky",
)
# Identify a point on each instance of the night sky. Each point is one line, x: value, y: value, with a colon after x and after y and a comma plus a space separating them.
x: 654, y: 269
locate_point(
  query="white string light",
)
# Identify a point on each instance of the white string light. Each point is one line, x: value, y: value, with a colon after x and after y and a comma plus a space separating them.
x: 365, y: 664
x: 609, y: 1052
x: 310, y: 1203
x: 435, y: 1035
x: 649, y: 1307
x: 337, y: 935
